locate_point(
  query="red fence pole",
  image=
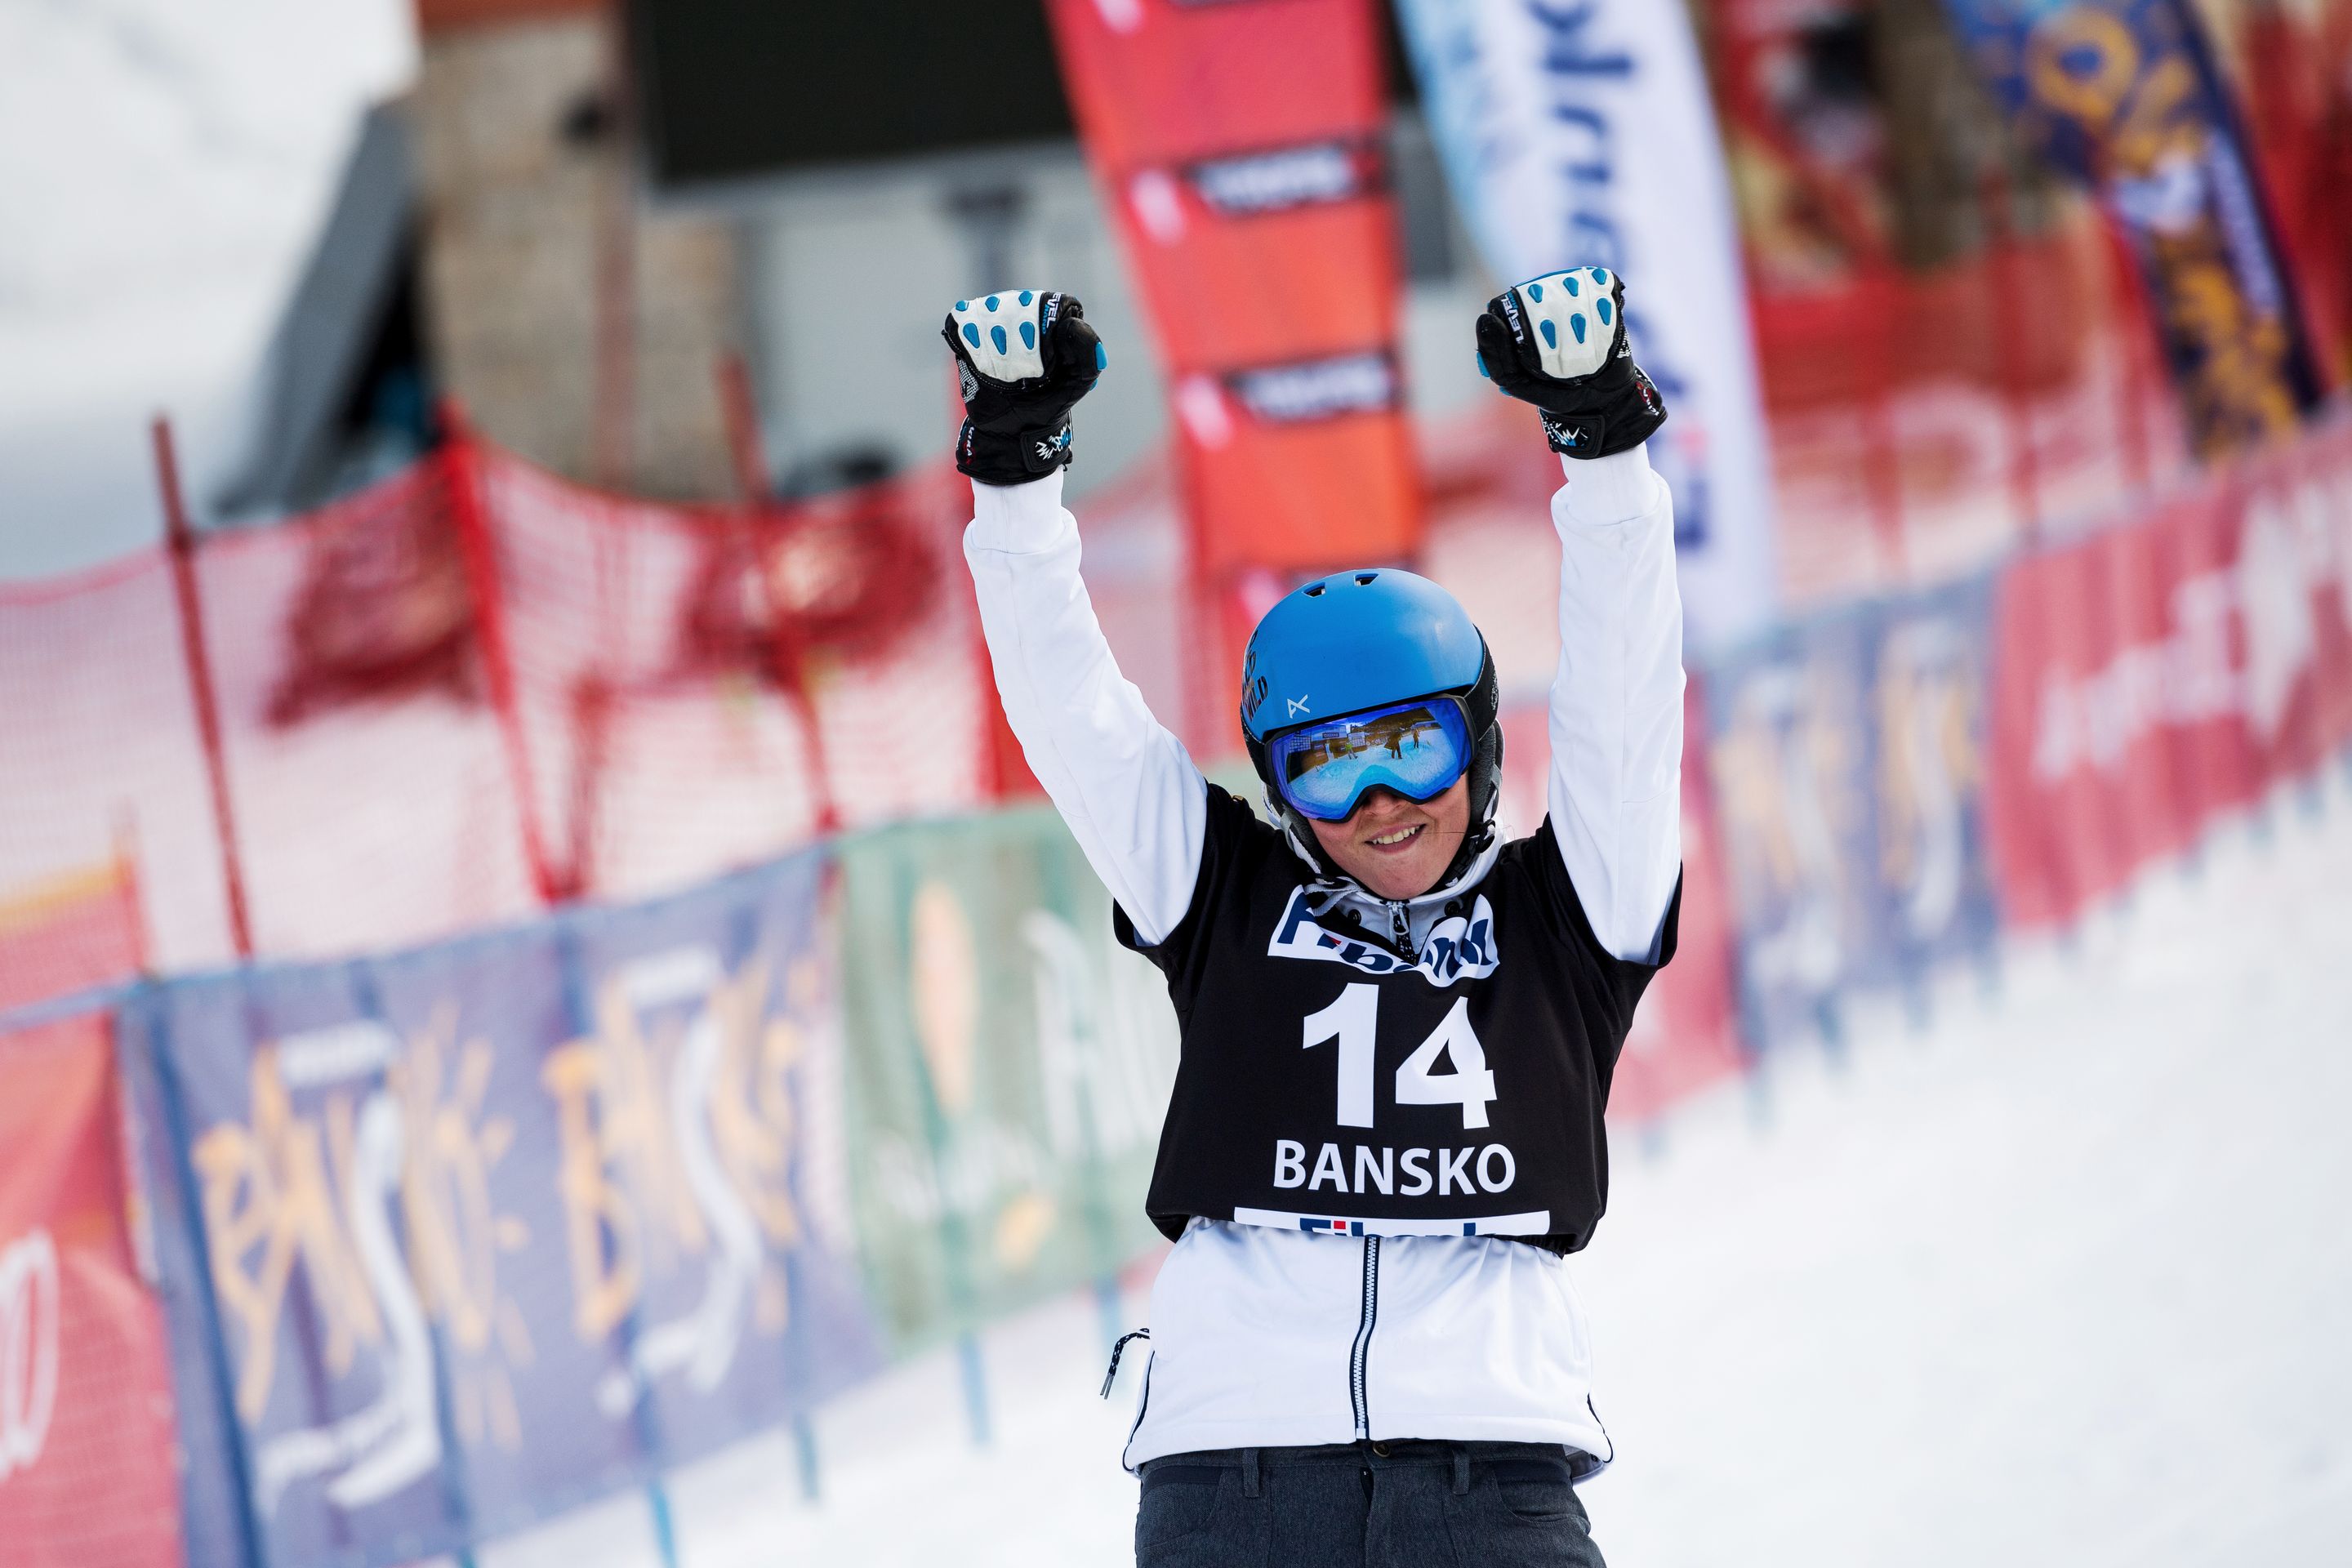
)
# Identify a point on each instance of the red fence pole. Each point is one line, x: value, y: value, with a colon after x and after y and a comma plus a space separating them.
x: 462, y: 470
x: 183, y: 553
x: 1882, y: 452
x: 2006, y: 278
x: 744, y: 448
x: 750, y: 459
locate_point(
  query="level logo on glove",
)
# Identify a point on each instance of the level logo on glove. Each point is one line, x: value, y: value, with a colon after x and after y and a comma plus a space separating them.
x: 1559, y: 342
x: 1024, y: 357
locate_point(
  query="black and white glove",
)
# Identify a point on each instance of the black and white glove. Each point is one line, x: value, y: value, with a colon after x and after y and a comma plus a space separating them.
x: 1559, y: 342
x: 1024, y: 356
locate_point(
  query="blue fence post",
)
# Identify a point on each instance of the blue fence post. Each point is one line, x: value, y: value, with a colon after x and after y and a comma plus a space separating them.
x: 804, y: 1451
x: 664, y: 1529
x: 1108, y: 1309
x: 580, y: 1017
x: 175, y: 1119
x: 1829, y: 1018
x: 1918, y: 999
x: 975, y: 1385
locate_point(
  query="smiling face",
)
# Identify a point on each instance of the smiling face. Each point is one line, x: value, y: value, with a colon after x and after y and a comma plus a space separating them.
x: 1398, y: 848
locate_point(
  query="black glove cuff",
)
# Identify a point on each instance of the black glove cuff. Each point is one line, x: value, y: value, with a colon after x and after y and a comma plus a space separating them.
x: 1618, y: 420
x: 995, y: 458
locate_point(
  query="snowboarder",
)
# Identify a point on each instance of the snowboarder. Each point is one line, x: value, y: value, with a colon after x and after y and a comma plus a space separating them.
x: 1398, y: 1029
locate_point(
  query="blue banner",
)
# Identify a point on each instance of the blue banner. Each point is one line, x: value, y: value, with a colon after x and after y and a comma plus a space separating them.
x: 1846, y: 755
x: 1927, y: 891
x: 472, y: 1235
x: 2124, y: 95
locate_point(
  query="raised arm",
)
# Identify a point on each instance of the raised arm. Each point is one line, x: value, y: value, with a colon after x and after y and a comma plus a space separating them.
x: 1616, y: 720
x: 1129, y: 792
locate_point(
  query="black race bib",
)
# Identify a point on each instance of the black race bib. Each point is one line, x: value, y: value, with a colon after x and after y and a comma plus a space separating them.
x: 1328, y: 1082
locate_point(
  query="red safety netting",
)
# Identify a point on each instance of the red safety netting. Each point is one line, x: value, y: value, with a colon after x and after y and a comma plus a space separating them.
x: 370, y: 797
x: 460, y: 694
x: 71, y: 932
x: 699, y: 687
x: 1925, y: 424
x: 101, y: 752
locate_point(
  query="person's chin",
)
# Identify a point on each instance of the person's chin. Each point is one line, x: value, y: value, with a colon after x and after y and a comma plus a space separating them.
x: 1400, y: 875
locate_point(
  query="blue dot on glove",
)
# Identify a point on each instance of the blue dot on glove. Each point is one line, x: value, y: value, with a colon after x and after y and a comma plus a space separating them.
x: 1576, y: 325
x: 1550, y: 334
x: 991, y: 301
x: 1571, y: 280
x: 971, y: 334
x: 1534, y: 293
x: 963, y: 304
x: 1599, y: 275
x: 1482, y: 366
x: 1026, y: 296
x: 1102, y: 356
x: 996, y: 335
x: 1602, y: 306
x: 1028, y: 334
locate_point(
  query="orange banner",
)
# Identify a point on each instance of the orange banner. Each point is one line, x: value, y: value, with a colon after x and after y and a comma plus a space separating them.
x: 1242, y: 145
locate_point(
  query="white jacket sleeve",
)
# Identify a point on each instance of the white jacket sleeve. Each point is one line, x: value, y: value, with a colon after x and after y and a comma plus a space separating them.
x: 1126, y: 786
x: 1617, y: 699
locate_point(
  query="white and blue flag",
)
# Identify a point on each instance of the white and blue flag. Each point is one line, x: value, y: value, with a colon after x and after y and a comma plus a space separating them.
x: 1578, y: 132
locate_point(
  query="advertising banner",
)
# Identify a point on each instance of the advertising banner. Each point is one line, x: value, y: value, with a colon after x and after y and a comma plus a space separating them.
x: 1928, y: 887
x: 1787, y: 755
x: 485, y: 1230
x: 86, y: 1465
x: 2124, y: 94
x: 1242, y: 149
x: 1847, y: 755
x: 1010, y: 1075
x: 2154, y: 675
x: 1581, y: 135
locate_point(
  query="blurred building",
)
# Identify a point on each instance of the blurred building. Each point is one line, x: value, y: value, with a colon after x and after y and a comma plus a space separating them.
x: 580, y: 212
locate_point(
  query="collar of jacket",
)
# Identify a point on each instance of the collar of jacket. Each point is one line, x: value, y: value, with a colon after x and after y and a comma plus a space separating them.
x: 1332, y: 890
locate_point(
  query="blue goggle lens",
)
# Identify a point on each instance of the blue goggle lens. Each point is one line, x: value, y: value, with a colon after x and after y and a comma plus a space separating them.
x: 1417, y: 749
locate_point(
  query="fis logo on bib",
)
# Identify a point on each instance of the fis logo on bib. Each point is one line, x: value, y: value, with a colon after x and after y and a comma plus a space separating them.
x: 1457, y: 945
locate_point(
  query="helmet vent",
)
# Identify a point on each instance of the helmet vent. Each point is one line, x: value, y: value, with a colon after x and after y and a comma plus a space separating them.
x: 1364, y: 578
x: 1315, y: 590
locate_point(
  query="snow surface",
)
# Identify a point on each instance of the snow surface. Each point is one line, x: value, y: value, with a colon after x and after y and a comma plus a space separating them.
x: 2059, y: 1275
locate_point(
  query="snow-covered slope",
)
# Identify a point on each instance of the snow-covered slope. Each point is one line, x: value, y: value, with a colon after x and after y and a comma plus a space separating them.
x: 2062, y: 1277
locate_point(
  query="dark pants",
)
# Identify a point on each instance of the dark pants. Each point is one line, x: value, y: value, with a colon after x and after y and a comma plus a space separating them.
x: 1369, y: 1505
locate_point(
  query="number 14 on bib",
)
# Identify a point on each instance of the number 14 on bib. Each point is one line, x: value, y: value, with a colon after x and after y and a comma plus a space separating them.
x: 1353, y: 1021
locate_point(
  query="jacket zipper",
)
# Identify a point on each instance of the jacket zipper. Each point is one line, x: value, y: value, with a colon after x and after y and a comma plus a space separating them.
x: 1361, y: 1355
x: 1401, y: 931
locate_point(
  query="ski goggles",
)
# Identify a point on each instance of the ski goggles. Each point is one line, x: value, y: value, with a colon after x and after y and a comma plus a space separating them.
x: 1417, y: 749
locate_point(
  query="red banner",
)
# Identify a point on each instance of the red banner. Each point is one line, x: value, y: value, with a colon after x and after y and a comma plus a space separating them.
x: 1242, y: 148
x: 2153, y: 674
x: 87, y: 1475
x: 1686, y: 1034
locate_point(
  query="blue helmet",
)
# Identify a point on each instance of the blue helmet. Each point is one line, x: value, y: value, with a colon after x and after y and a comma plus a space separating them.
x: 1362, y: 639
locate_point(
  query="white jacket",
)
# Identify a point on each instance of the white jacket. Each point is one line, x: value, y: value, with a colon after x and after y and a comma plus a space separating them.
x: 1260, y: 1338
